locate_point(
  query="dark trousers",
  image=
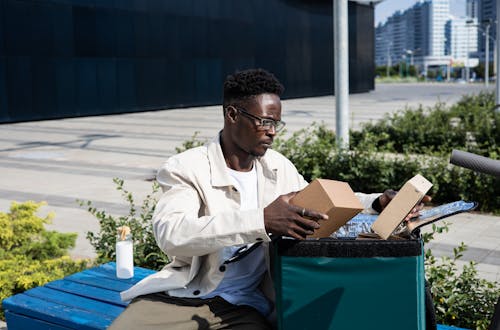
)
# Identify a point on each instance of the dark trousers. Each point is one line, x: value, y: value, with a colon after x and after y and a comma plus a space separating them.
x: 160, y: 311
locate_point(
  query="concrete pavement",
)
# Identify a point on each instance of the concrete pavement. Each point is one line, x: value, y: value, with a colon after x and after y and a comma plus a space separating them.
x: 59, y: 161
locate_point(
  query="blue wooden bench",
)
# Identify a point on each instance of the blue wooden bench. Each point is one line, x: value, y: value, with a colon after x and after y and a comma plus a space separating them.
x: 86, y: 300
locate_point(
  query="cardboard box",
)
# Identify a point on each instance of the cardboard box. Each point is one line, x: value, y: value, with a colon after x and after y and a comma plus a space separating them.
x: 334, y: 198
x: 394, y: 213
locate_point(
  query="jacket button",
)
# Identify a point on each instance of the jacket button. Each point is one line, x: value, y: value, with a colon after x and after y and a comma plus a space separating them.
x: 222, y: 268
x: 196, y: 292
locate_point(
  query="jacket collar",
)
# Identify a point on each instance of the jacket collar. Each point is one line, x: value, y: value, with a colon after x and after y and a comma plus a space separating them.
x: 217, y: 163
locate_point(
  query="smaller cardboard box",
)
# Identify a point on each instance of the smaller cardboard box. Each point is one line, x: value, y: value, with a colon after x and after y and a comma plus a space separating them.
x: 394, y: 213
x: 334, y: 198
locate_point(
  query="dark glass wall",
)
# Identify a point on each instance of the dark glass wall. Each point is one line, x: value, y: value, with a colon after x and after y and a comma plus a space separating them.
x: 64, y: 58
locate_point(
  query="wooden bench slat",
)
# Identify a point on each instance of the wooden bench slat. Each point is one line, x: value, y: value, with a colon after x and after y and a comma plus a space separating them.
x: 22, y: 322
x: 86, y: 300
x: 41, y: 309
x: 95, y: 279
x: 83, y: 290
x: 71, y: 300
x: 102, y: 273
x: 110, y: 270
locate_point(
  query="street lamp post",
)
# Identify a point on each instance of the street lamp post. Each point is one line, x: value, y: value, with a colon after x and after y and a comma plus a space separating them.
x: 409, y: 52
x: 487, y: 56
x: 494, y: 56
x: 341, y: 69
x: 401, y: 61
x: 388, y: 59
x: 487, y: 38
x: 467, y: 53
x: 497, y: 57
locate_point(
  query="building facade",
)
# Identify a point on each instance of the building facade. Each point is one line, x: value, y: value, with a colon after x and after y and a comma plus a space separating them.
x: 461, y: 39
x: 439, y: 15
x: 405, y: 33
x: 433, y: 36
x: 65, y: 58
x: 487, y: 17
x: 472, y: 8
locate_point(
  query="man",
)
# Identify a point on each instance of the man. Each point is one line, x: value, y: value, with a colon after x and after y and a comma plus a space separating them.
x: 220, y: 205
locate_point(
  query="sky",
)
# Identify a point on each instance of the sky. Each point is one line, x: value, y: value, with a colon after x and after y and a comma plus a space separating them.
x: 387, y: 7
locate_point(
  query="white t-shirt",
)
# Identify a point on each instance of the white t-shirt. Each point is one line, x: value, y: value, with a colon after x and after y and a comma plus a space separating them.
x: 242, y: 278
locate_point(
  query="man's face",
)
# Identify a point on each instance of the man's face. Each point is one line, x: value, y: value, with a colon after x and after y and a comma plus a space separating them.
x: 248, y: 135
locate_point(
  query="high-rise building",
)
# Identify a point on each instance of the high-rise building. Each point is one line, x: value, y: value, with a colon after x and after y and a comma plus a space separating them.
x: 419, y: 32
x: 472, y: 9
x: 440, y: 14
x: 404, y: 33
x: 461, y: 39
x: 487, y: 16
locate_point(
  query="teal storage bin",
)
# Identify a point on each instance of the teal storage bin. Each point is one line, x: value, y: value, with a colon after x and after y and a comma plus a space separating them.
x: 349, y: 284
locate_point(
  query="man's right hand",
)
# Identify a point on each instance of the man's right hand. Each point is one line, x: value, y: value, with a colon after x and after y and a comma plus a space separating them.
x: 283, y: 219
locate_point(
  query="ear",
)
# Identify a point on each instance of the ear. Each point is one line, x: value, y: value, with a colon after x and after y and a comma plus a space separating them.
x: 230, y: 114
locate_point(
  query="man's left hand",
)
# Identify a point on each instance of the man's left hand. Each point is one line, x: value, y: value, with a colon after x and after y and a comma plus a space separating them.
x: 389, y: 194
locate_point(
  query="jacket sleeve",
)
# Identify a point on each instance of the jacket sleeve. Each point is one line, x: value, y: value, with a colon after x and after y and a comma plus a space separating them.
x: 367, y: 201
x: 179, y: 228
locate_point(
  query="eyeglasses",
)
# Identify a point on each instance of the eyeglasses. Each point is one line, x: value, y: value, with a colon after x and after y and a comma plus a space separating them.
x: 263, y: 124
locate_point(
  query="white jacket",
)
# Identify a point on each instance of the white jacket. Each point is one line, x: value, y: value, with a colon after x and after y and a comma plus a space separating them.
x: 198, y: 215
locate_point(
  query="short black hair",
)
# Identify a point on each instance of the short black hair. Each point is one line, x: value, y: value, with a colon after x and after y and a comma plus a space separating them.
x: 243, y: 85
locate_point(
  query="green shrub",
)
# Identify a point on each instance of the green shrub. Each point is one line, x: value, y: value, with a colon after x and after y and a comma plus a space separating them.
x: 460, y: 298
x: 146, y: 252
x: 309, y: 149
x: 191, y: 143
x: 315, y: 154
x: 471, y: 124
x: 31, y: 256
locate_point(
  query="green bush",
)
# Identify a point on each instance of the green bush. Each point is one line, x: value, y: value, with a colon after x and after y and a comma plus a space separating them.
x: 31, y: 256
x: 460, y: 298
x: 315, y: 154
x: 146, y: 252
x: 472, y: 124
x: 191, y: 143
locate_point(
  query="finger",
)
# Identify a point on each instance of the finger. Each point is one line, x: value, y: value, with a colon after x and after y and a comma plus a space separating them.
x: 386, y: 197
x: 410, y: 217
x: 294, y: 234
x: 303, y: 232
x: 417, y: 208
x: 414, y: 213
x: 307, y: 224
x: 426, y: 199
x: 313, y: 214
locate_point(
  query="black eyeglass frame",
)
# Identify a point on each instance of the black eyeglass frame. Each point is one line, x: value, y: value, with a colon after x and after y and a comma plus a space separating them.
x: 263, y: 122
